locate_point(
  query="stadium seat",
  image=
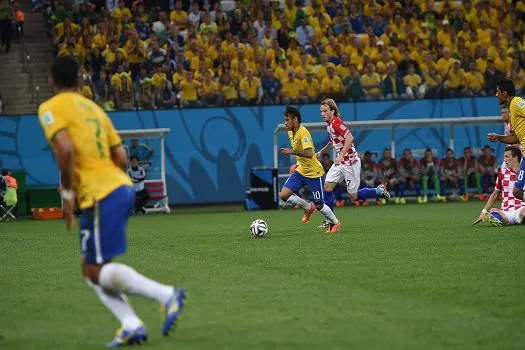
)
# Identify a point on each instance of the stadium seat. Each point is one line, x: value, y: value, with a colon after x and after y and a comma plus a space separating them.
x: 158, y: 200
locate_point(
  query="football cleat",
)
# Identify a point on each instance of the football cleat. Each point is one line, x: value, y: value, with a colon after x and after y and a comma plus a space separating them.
x: 324, y: 225
x: 172, y: 309
x: 491, y: 220
x: 384, y: 191
x: 308, y: 213
x: 125, y: 337
x: 333, y: 228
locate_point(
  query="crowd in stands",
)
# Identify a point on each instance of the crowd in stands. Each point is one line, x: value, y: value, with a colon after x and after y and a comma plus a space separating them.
x: 245, y: 52
x: 448, y: 177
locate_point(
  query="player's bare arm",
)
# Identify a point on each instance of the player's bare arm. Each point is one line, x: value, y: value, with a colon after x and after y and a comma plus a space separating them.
x: 349, y: 140
x: 490, y: 202
x: 305, y: 153
x: 508, y: 139
x: 65, y: 153
x: 119, y: 156
x: 323, y: 150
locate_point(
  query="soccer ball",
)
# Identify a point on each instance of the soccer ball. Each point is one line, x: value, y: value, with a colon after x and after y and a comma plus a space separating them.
x: 259, y: 228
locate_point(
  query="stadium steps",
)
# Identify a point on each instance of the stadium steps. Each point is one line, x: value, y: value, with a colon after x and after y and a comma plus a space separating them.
x: 17, y: 86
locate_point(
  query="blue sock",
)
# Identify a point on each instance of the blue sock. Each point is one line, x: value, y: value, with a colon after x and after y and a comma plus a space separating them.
x: 329, y: 199
x: 497, y: 216
x: 485, y: 183
x: 378, y: 192
x: 366, y: 193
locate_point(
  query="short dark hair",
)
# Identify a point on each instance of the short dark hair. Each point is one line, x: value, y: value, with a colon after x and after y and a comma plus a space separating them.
x: 5, y: 172
x: 466, y: 149
x: 133, y: 158
x: 64, y: 72
x: 368, y: 153
x: 293, y: 112
x: 515, y: 152
x: 507, y: 85
x: 449, y: 150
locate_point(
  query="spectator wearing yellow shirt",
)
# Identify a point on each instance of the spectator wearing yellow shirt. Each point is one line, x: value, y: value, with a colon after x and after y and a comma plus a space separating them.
x: 343, y: 69
x: 445, y: 35
x: 110, y: 53
x: 331, y: 85
x: 124, y: 96
x: 146, y: 99
x: 228, y: 90
x: 481, y: 59
x: 275, y: 51
x: 371, y: 84
x: 158, y: 77
x: 473, y: 42
x: 474, y: 82
x: 281, y: 72
x: 310, y: 87
x: 291, y: 91
x: 85, y: 89
x: 189, y: 90
x: 178, y: 16
x: 503, y: 62
x: 207, y: 26
x: 300, y: 71
x: 415, y: 88
x: 444, y: 64
x: 455, y: 82
x: 434, y: 83
x: 209, y: 91
x: 121, y: 10
x: 250, y: 89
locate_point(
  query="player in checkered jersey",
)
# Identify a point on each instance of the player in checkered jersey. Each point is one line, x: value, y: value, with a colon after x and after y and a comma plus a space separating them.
x: 347, y: 165
x: 512, y: 209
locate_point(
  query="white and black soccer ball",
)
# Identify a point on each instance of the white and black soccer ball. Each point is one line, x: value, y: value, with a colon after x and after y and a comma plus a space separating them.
x: 259, y: 228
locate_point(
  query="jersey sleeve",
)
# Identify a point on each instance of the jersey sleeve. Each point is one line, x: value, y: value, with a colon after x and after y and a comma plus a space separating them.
x: 306, y: 140
x: 340, y: 128
x: 518, y: 108
x: 114, y: 139
x: 499, y: 180
x: 52, y: 119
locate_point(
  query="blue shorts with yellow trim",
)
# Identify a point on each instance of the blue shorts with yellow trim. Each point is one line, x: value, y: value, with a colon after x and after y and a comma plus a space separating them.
x: 103, y: 227
x: 520, y: 179
x: 296, y: 181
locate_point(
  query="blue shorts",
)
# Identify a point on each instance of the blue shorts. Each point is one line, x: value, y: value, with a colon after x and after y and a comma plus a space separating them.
x: 103, y: 227
x: 520, y: 179
x: 296, y: 181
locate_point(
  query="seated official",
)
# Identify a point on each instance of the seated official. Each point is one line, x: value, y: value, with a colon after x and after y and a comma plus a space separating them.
x: 137, y: 174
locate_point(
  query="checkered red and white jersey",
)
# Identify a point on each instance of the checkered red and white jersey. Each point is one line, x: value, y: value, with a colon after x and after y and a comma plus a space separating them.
x: 505, y: 184
x: 338, y: 131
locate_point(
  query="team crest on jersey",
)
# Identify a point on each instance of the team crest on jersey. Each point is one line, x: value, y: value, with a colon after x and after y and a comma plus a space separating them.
x: 343, y: 127
x: 306, y: 139
x: 521, y: 103
x: 47, y: 118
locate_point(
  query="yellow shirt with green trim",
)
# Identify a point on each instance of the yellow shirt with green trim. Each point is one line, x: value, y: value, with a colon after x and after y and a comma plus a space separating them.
x: 302, y: 140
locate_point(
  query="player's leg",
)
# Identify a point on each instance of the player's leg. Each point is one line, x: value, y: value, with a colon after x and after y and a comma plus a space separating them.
x: 352, y: 174
x: 495, y: 217
x: 417, y: 185
x: 424, y: 183
x: 477, y: 177
x: 316, y: 185
x: 484, y: 183
x: 437, y: 187
x: 520, y: 181
x: 292, y: 186
x: 108, y: 240
x: 401, y: 190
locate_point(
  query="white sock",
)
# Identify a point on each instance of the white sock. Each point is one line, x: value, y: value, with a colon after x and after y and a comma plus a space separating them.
x: 121, y: 278
x: 329, y: 214
x: 118, y: 304
x: 296, y: 200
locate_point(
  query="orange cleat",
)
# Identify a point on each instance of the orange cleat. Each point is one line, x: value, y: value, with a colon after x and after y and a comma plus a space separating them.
x: 308, y: 213
x: 357, y: 203
x: 333, y: 228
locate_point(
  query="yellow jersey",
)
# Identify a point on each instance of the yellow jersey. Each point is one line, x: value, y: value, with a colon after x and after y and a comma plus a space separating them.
x: 93, y: 136
x: 302, y: 140
x: 517, y: 119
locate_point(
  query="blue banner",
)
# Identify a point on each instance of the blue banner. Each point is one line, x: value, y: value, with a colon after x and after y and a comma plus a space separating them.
x: 209, y: 152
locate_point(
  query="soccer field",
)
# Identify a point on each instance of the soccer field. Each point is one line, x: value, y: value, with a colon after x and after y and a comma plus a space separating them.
x: 394, y: 277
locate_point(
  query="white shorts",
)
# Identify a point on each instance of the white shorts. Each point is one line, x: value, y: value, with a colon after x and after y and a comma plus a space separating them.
x: 351, y: 174
x: 513, y: 216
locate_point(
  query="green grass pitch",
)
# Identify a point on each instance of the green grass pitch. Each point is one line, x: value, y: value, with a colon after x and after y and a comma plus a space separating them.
x: 395, y: 277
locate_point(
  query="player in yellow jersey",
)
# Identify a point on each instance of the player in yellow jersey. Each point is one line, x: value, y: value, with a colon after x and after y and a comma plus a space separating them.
x: 506, y: 94
x: 309, y: 172
x: 92, y: 160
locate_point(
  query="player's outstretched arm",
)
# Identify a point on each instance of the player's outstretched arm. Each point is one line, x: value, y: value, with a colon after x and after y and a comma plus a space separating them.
x: 508, y: 139
x: 490, y: 202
